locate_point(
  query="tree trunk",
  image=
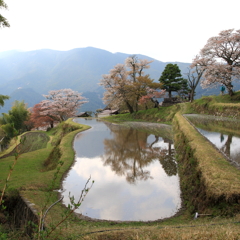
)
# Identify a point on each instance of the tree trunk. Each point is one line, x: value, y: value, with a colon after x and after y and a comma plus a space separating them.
x: 192, y: 94
x: 155, y: 102
x: 138, y: 97
x: 130, y: 108
x: 229, y: 87
x: 136, y: 107
x: 170, y: 94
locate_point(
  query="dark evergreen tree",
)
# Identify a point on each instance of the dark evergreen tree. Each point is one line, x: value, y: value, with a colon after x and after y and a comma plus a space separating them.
x: 184, y: 91
x: 172, y: 79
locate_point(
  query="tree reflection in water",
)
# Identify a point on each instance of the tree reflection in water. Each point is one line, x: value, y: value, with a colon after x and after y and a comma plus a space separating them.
x: 130, y: 151
x: 226, y: 147
x: 228, y: 129
x: 167, y: 159
x: 130, y: 181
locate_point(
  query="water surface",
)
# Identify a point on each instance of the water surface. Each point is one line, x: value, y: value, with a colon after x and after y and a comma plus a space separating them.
x: 135, y: 173
x: 224, y: 133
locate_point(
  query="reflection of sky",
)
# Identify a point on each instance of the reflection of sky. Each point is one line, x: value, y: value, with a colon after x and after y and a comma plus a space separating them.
x: 90, y: 146
x: 219, y: 140
x: 161, y: 144
x: 112, y: 197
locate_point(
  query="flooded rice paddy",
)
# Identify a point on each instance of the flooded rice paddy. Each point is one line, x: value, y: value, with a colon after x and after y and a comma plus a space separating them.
x: 224, y: 133
x: 134, y: 170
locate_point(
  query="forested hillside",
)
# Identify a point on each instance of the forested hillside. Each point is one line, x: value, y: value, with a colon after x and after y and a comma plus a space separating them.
x: 28, y: 75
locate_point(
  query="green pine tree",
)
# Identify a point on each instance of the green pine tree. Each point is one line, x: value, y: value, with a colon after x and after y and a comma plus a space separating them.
x: 172, y: 79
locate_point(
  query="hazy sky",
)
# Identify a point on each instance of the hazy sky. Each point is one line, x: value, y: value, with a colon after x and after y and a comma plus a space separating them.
x: 167, y: 30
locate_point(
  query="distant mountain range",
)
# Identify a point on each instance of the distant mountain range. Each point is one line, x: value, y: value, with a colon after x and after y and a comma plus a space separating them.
x: 28, y: 75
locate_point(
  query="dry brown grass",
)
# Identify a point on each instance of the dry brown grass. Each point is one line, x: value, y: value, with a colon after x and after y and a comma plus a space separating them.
x: 228, y: 105
x: 194, y: 230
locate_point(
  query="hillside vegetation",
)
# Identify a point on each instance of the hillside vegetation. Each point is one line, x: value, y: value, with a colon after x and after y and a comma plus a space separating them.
x: 28, y: 75
x: 224, y: 106
x: 35, y: 170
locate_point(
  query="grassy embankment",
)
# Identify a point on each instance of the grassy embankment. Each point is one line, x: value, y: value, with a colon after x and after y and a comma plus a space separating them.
x: 161, y: 115
x: 224, y: 106
x: 218, y: 185
x: 209, y: 183
x: 33, y: 185
x: 34, y: 171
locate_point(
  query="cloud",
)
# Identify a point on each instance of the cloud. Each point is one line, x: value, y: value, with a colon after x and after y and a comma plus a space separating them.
x: 113, y: 198
x: 166, y: 30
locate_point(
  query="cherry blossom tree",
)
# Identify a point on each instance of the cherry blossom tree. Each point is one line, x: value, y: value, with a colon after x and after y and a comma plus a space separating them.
x: 116, y: 85
x: 136, y: 66
x: 152, y: 96
x: 40, y: 120
x: 135, y: 70
x: 146, y: 87
x: 220, y: 60
x: 61, y: 104
x: 126, y: 83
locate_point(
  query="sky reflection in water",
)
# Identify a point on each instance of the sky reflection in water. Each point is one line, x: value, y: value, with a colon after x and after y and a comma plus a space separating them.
x: 228, y: 144
x: 221, y: 132
x: 135, y: 174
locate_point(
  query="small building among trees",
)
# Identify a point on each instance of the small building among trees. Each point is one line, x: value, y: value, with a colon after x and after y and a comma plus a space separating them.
x: 108, y: 112
x: 83, y: 114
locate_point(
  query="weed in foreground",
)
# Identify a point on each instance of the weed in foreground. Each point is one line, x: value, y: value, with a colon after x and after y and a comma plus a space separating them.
x: 44, y: 233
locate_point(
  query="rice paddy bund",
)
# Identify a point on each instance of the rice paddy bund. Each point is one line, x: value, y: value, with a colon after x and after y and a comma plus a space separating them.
x: 210, y: 184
